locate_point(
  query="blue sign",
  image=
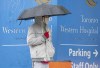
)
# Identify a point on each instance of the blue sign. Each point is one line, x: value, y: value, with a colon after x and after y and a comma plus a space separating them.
x: 14, y: 51
x: 78, y: 34
x: 75, y: 36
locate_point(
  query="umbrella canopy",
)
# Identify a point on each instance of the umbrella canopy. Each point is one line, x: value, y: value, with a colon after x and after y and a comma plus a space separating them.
x: 43, y: 10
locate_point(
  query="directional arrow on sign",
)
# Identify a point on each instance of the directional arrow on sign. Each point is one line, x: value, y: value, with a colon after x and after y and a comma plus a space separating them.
x: 95, y: 53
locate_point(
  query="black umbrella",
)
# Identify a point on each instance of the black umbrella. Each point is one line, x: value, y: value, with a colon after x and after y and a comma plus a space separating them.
x: 43, y: 10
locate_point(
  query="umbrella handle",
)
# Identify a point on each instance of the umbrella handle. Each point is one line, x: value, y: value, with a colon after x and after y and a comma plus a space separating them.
x: 44, y: 22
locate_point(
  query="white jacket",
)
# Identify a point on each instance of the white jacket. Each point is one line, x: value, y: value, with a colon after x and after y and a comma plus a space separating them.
x: 36, y: 42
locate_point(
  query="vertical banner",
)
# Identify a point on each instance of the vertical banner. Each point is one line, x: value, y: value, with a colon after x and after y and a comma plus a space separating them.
x: 78, y: 33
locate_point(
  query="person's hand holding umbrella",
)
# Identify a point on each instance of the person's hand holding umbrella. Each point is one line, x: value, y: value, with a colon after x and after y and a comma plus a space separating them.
x: 46, y: 35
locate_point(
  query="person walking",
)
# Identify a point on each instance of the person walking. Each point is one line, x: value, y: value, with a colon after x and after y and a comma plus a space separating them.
x: 39, y: 39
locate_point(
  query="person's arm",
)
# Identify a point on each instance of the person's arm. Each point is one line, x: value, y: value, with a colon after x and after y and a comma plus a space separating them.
x: 33, y: 40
